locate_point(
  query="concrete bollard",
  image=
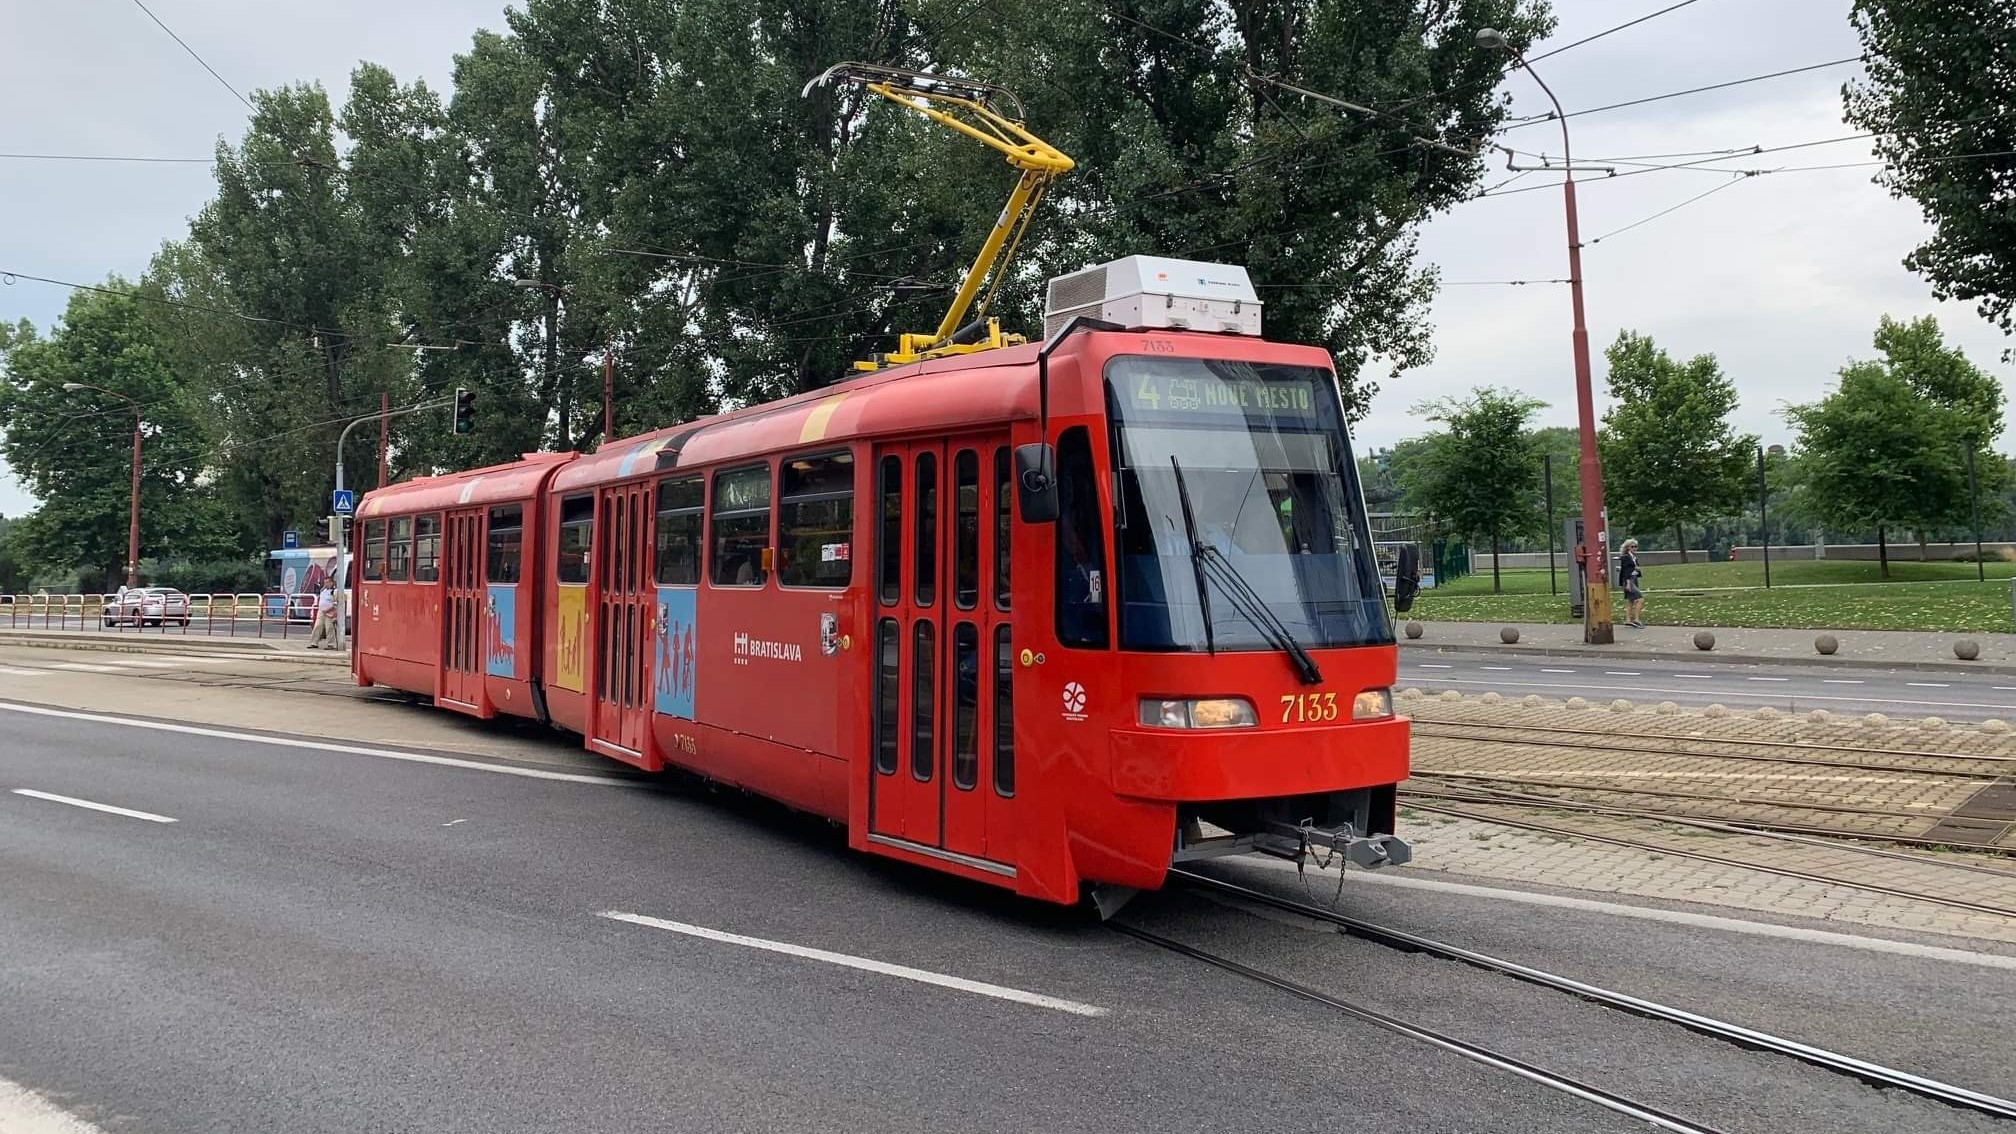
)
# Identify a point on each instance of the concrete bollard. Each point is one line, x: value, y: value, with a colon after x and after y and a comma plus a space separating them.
x: 1932, y: 724
x: 1994, y: 725
x: 1533, y: 700
x: 1966, y: 649
x: 1415, y: 629
x: 1577, y: 703
x: 1508, y: 634
x: 1621, y: 705
x: 1875, y: 720
x: 1716, y: 710
x: 1666, y: 708
x: 1493, y: 698
x: 1819, y: 716
x: 1826, y: 644
x: 1451, y: 695
x: 1411, y: 694
x: 1768, y: 713
x: 1703, y: 640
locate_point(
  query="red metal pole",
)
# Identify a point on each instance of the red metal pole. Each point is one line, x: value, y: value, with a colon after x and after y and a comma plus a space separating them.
x: 133, y: 519
x: 1596, y: 624
x: 608, y: 394
x: 384, y: 408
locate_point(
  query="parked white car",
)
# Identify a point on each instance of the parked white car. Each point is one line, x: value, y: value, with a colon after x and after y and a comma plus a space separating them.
x: 148, y: 606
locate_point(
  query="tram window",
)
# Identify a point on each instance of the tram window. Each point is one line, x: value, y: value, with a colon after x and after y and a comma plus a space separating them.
x: 889, y: 540
x: 374, y: 550
x: 965, y: 705
x: 1004, y: 713
x: 923, y: 660
x: 1004, y: 510
x: 427, y: 548
x: 888, y: 672
x: 741, y: 526
x: 399, y: 557
x: 966, y: 529
x: 577, y: 536
x: 1081, y: 545
x: 506, y: 560
x: 815, y: 521
x: 927, y: 528
x: 679, y: 520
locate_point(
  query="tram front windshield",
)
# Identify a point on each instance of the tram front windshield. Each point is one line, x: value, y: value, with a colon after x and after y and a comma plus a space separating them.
x: 1237, y: 492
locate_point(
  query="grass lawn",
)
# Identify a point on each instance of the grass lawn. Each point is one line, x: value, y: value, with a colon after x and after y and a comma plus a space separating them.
x: 1820, y: 593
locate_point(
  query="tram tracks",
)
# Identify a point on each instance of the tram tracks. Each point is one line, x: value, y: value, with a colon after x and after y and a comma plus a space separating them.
x: 1866, y: 1071
x: 1987, y: 766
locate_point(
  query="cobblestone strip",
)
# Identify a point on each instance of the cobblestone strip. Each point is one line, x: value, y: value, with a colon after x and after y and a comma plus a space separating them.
x: 1489, y: 851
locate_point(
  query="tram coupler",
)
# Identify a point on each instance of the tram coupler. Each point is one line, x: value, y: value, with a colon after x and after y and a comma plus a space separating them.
x: 1367, y: 851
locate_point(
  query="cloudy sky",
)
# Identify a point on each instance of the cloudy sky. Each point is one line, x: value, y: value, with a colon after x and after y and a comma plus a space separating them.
x: 1782, y: 277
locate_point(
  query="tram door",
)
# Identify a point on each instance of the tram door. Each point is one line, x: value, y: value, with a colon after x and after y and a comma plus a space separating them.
x: 624, y: 605
x: 941, y: 602
x: 462, y: 609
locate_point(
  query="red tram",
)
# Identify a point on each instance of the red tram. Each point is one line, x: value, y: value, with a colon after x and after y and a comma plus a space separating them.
x: 1051, y: 616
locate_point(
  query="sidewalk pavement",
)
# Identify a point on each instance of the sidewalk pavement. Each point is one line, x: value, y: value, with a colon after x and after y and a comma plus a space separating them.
x: 293, y: 649
x: 1885, y: 649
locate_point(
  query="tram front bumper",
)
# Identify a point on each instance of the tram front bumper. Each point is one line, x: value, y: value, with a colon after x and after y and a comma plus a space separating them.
x: 1196, y: 767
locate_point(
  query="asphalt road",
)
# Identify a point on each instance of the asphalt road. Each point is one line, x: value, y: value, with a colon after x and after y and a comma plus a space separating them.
x: 343, y: 941
x: 1897, y: 693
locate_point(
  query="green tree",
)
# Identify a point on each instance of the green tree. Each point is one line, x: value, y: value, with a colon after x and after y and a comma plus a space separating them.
x: 72, y: 448
x: 1871, y: 455
x: 1937, y: 104
x: 1479, y: 475
x: 1670, y: 456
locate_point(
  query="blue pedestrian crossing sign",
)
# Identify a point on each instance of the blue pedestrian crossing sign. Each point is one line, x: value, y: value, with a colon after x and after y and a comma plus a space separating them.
x: 343, y: 502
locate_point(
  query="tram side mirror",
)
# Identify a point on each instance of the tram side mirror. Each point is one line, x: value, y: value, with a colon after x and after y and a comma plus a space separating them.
x: 1036, y: 483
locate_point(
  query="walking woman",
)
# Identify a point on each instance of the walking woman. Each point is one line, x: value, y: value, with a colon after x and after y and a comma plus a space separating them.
x: 1630, y: 577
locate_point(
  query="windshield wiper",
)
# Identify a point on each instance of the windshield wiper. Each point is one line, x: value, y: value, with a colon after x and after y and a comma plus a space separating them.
x: 1196, y: 556
x: 1243, y: 596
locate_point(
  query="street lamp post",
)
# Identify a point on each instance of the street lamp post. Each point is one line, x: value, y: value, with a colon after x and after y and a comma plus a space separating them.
x: 1763, y: 504
x: 133, y: 513
x: 1596, y: 626
x: 608, y: 361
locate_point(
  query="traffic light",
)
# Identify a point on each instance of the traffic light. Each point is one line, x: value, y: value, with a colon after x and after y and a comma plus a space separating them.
x: 322, y: 529
x: 465, y: 410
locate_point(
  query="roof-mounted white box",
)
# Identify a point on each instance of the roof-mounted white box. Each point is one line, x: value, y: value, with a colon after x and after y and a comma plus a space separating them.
x: 1143, y: 292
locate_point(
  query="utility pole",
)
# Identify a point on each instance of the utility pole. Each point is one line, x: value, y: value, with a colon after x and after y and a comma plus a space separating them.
x: 1596, y: 624
x: 1547, y: 472
x: 384, y: 410
x: 1973, y: 500
x: 338, y: 523
x: 133, y: 507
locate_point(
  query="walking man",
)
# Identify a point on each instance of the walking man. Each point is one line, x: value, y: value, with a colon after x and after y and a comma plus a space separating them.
x: 1630, y: 577
x: 325, y: 617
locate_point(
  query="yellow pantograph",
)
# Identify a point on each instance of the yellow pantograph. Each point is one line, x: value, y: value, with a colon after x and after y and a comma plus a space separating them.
x: 967, y: 107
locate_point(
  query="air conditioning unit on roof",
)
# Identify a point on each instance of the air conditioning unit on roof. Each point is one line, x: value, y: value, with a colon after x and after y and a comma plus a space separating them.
x: 1154, y: 292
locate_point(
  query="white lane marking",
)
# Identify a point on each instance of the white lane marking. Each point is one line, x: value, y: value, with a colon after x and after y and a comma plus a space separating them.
x: 1696, y: 692
x: 1767, y: 679
x: 865, y: 964
x: 2006, y: 688
x: 1792, y: 777
x: 1498, y: 668
x: 315, y: 745
x: 1694, y: 676
x: 1680, y: 917
x: 105, y: 807
x: 1928, y: 685
x: 1840, y: 681
x: 1433, y: 665
x: 86, y: 667
x: 1622, y: 673
x: 1557, y: 671
x: 11, y: 672
x: 147, y: 663
x: 22, y: 1111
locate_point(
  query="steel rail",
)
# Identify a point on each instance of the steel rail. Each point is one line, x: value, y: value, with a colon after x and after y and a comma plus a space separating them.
x: 1699, y: 856
x: 1834, y: 837
x: 1594, y: 783
x: 1433, y: 729
x: 1532, y: 1073
x: 1875, y: 1074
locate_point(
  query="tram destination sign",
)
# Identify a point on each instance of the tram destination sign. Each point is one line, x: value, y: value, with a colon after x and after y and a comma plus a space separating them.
x: 1291, y: 396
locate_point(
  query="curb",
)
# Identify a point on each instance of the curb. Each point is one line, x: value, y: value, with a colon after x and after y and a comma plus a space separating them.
x: 265, y: 651
x: 1710, y: 657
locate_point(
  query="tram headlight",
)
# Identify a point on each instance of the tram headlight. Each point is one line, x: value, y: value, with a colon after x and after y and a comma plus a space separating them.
x: 1372, y: 704
x: 1205, y: 712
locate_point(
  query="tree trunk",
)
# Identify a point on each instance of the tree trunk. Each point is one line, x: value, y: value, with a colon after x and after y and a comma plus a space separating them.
x: 1680, y: 539
x: 1882, y: 554
x: 1496, y: 586
x: 1920, y: 533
